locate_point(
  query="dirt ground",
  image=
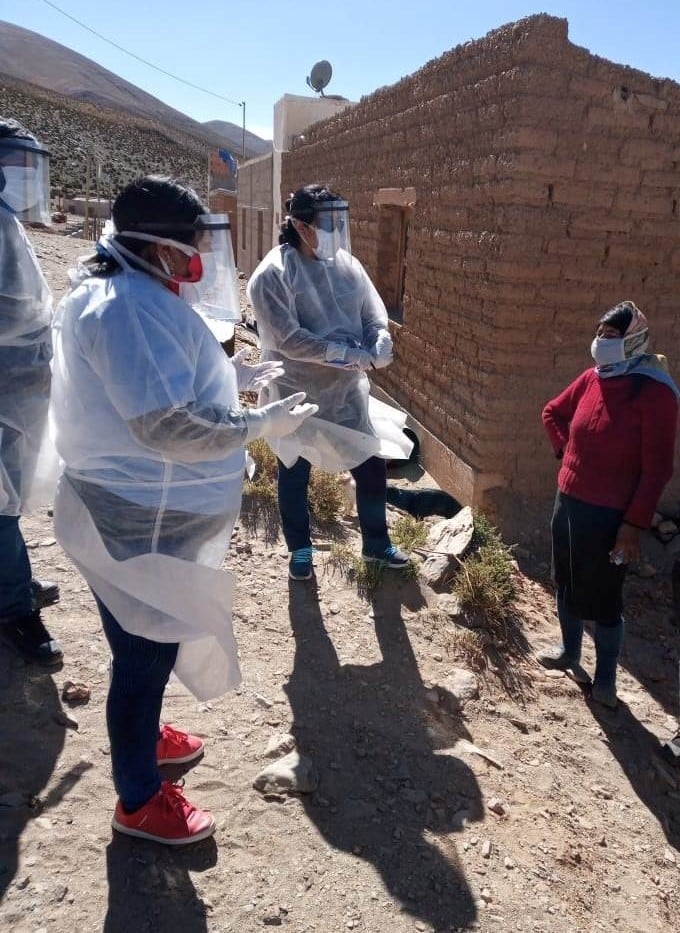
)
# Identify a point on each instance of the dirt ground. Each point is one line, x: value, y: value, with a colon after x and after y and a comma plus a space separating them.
x: 401, y: 833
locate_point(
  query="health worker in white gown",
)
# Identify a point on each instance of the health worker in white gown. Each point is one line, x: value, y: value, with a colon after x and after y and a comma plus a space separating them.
x: 28, y: 465
x: 319, y: 315
x: 148, y: 424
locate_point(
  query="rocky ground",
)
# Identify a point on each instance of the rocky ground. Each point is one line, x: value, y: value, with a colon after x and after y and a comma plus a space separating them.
x: 523, y: 808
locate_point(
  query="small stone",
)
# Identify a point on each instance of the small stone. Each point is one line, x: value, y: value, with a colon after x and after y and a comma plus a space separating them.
x: 22, y: 883
x: 486, y: 849
x: 496, y: 806
x: 280, y: 744
x: 75, y: 692
x: 263, y: 701
x: 508, y: 863
x: 272, y: 920
x: 334, y: 609
x: 669, y: 857
x: 292, y: 774
x: 420, y: 925
x: 47, y: 542
x: 460, y: 687
x: 486, y: 896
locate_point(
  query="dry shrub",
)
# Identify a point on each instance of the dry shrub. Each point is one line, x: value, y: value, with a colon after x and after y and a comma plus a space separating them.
x: 469, y: 646
x: 326, y: 498
x: 485, y: 583
x: 409, y: 533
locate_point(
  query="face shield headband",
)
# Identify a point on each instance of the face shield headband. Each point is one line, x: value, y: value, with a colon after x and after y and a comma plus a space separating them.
x: 25, y: 180
x: 209, y: 285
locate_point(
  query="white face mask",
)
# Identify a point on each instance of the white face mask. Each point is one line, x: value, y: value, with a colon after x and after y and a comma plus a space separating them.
x: 22, y: 187
x: 325, y: 244
x: 607, y: 350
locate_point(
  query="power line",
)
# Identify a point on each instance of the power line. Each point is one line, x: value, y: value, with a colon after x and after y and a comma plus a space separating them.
x: 120, y: 48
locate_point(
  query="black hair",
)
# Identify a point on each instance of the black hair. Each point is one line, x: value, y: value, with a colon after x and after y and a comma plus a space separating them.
x: 302, y: 205
x: 12, y: 129
x: 620, y: 316
x: 151, y: 204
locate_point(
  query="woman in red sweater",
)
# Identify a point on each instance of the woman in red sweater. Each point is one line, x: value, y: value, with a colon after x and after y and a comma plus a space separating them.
x: 614, y: 430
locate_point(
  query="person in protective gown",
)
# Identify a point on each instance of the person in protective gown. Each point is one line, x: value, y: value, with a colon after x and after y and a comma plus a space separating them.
x: 320, y: 316
x: 149, y: 427
x: 27, y: 469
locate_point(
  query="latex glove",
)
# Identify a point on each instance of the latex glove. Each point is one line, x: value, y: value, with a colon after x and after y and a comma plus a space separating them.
x: 345, y: 357
x: 253, y: 378
x: 382, y: 352
x: 278, y: 418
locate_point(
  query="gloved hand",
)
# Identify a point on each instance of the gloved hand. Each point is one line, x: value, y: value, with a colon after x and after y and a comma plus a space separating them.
x: 382, y: 352
x: 253, y: 378
x: 343, y: 356
x: 278, y: 418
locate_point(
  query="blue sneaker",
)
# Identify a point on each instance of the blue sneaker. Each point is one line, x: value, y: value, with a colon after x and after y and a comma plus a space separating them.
x: 392, y: 557
x: 300, y: 566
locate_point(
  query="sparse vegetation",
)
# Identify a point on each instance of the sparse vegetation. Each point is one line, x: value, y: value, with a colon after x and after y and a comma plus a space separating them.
x: 325, y: 497
x: 409, y: 533
x: 365, y: 575
x: 485, y: 583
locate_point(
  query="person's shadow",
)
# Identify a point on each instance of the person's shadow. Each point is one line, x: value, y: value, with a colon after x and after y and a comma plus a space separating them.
x: 150, y: 887
x: 383, y: 793
x: 31, y: 741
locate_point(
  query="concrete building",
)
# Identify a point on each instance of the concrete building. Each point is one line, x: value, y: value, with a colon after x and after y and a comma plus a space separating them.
x: 502, y: 198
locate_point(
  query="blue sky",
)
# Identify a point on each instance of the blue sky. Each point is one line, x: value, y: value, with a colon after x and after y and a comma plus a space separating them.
x: 257, y: 51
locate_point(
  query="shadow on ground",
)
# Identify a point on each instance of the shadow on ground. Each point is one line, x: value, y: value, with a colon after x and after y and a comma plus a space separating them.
x: 30, y: 744
x: 637, y: 751
x: 150, y: 888
x: 384, y: 794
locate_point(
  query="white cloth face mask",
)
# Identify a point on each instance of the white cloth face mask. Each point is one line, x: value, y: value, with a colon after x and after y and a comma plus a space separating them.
x: 22, y: 188
x: 607, y: 350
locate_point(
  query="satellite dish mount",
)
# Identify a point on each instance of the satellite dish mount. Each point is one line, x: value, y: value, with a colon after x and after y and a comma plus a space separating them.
x: 320, y: 76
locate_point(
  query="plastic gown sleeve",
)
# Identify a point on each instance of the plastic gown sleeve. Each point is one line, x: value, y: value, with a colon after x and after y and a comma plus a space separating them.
x: 373, y: 312
x: 275, y: 305
x: 193, y: 433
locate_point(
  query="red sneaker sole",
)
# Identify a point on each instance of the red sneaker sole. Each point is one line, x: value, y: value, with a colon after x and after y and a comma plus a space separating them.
x: 140, y: 834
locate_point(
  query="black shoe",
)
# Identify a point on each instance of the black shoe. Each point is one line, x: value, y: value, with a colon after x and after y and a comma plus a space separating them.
x: 30, y: 637
x: 44, y: 593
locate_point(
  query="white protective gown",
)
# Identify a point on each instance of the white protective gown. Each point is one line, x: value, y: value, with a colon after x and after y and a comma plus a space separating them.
x: 146, y: 412
x: 28, y: 465
x: 302, y: 305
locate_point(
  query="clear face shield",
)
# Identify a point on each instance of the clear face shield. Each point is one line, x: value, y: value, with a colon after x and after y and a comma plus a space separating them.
x: 210, y: 285
x: 331, y: 225
x: 25, y: 180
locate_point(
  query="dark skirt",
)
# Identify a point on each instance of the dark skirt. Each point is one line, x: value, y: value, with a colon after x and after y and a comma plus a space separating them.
x: 582, y: 537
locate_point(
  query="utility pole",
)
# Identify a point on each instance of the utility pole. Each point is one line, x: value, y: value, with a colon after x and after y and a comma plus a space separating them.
x: 243, y: 106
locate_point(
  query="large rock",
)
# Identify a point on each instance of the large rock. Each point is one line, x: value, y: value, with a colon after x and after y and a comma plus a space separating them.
x: 449, y: 541
x: 292, y: 774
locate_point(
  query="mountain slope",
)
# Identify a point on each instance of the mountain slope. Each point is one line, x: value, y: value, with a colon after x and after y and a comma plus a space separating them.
x: 255, y: 145
x: 30, y: 58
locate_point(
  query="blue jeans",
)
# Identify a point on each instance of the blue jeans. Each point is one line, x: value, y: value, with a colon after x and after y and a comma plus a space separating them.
x: 140, y: 672
x: 15, y: 569
x: 371, y: 479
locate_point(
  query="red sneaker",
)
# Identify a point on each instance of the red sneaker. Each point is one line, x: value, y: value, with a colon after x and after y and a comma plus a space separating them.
x: 177, y: 748
x: 168, y: 818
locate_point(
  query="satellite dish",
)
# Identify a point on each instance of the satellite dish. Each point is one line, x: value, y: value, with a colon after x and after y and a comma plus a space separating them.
x: 320, y: 76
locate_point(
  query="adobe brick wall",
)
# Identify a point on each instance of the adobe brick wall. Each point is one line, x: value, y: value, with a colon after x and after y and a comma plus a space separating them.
x: 547, y: 189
